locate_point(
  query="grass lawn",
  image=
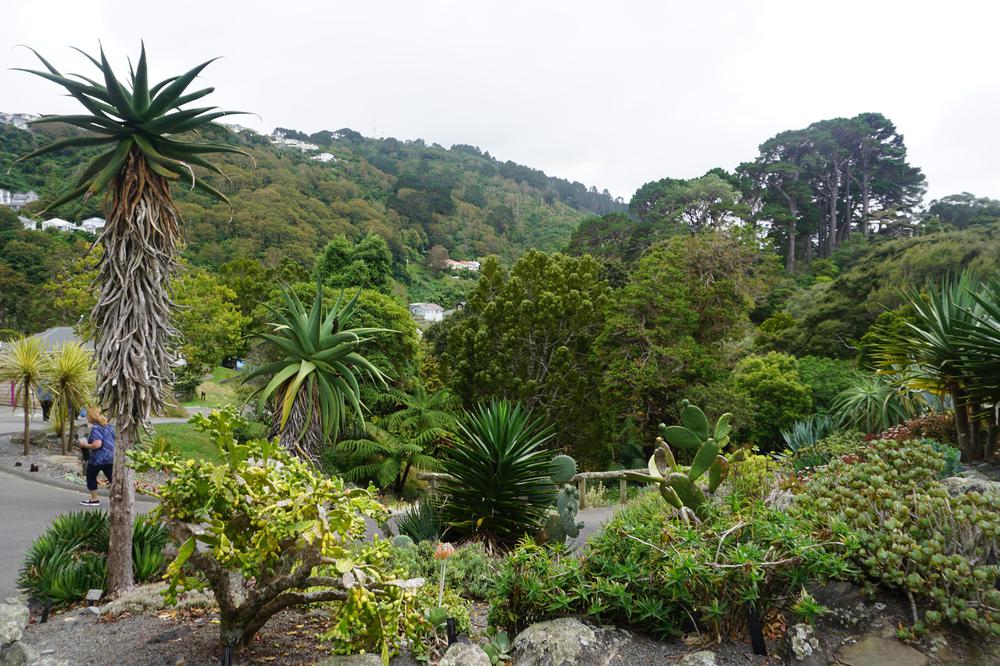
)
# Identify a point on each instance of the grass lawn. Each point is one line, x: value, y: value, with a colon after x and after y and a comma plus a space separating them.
x: 218, y: 389
x: 188, y: 442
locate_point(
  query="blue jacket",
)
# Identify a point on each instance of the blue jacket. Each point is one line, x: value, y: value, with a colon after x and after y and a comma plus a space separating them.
x: 106, y: 454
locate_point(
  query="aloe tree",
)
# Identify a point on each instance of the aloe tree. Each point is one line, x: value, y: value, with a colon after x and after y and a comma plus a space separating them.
x: 72, y: 383
x: 27, y: 364
x: 314, y: 385
x: 981, y: 339
x: 144, y: 130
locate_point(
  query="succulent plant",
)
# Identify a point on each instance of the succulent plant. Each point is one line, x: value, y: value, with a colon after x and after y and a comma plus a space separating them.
x: 678, y: 484
x: 561, y: 522
x: 562, y: 469
x: 402, y: 541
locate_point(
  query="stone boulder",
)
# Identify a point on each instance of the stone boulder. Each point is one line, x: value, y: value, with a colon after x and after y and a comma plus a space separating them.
x: 13, y: 620
x: 700, y: 658
x: 464, y: 653
x: 368, y: 659
x: 567, y: 641
x: 874, y: 650
x: 970, y: 483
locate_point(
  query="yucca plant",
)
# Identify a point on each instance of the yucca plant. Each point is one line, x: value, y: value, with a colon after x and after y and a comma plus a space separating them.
x: 144, y: 127
x: 27, y: 364
x: 318, y: 372
x: 499, y: 486
x: 72, y: 383
x: 421, y: 522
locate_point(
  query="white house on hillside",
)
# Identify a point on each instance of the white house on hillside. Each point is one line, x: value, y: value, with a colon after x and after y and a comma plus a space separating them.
x: 462, y: 265
x: 58, y: 224
x: 427, y: 311
x: 19, y: 200
x: 325, y: 157
x: 5, y: 197
x: 28, y: 223
x: 92, y: 225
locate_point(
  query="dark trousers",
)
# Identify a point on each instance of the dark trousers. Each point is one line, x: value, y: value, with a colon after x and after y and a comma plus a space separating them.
x: 92, y: 471
x: 46, y: 408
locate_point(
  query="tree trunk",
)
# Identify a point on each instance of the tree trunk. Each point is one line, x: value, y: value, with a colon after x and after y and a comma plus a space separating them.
x: 303, y: 433
x: 846, y: 230
x: 831, y: 232
x: 27, y: 417
x: 962, y: 429
x: 120, y: 576
x: 865, y: 193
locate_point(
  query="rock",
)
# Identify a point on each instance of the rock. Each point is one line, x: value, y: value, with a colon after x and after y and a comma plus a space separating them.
x: 464, y: 653
x: 17, y: 654
x: 69, y: 464
x: 803, y: 646
x: 875, y: 650
x: 13, y: 620
x: 368, y: 659
x: 702, y: 658
x: 846, y: 603
x: 566, y: 642
x: 960, y: 485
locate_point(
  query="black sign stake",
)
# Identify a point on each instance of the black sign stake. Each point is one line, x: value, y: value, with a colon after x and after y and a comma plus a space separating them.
x: 756, y: 632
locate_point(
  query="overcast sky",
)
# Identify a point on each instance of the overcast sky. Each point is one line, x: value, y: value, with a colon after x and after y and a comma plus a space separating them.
x: 612, y: 94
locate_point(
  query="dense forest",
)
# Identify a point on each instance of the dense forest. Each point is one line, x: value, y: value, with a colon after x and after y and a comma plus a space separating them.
x: 755, y: 290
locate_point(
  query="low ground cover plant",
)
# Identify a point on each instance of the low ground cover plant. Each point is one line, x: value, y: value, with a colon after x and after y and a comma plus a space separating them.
x: 905, y: 531
x: 652, y: 572
x: 71, y: 557
x: 471, y: 570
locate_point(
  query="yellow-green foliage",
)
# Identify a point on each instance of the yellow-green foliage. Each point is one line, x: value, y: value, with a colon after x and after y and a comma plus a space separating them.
x: 753, y: 478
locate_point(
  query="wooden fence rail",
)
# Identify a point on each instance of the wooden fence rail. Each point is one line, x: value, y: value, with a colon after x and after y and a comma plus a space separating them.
x: 580, y: 479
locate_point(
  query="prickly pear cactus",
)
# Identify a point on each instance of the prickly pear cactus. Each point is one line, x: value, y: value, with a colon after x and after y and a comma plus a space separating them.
x: 678, y: 484
x: 562, y: 469
x: 561, y: 523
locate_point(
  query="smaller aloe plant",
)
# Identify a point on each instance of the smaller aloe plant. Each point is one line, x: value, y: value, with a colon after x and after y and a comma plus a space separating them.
x: 678, y: 484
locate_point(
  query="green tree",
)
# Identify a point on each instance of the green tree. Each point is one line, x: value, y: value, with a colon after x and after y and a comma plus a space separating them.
x: 314, y: 384
x: 826, y: 378
x: 669, y: 326
x: 528, y: 336
x: 777, y: 393
x: 209, y: 323
x: 72, y: 382
x: 367, y: 265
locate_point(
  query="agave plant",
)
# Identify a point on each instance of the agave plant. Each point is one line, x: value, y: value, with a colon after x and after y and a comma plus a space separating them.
x: 499, y: 485
x: 143, y: 127
x: 72, y: 383
x: 317, y: 374
x: 874, y: 403
x: 26, y: 364
x: 806, y: 432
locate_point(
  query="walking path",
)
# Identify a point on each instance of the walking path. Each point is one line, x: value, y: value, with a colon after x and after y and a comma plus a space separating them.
x: 26, y: 509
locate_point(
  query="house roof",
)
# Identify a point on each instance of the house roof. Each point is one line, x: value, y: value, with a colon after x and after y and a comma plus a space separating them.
x: 434, y: 307
x: 55, y: 337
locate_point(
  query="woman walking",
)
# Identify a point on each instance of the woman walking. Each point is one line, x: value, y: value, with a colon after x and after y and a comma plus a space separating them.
x: 101, y: 442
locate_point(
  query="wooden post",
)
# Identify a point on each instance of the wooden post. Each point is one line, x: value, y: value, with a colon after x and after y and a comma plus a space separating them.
x: 622, y: 490
x: 582, y: 486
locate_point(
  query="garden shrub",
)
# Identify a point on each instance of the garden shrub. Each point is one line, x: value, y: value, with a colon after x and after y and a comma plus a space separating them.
x: 845, y: 442
x: 654, y: 573
x: 905, y: 531
x: 752, y: 479
x: 826, y: 378
x: 777, y: 392
x: 420, y: 521
x: 266, y: 531
x: 71, y: 557
x: 471, y: 571
x: 937, y: 426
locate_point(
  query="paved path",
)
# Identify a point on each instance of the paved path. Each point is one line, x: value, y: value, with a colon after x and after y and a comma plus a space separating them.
x: 26, y: 509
